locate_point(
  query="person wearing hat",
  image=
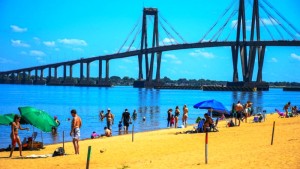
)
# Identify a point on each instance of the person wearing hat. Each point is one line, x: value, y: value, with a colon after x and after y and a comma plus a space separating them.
x: 126, y: 120
x: 109, y: 118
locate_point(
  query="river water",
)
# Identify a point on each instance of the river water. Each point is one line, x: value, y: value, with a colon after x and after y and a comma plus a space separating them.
x: 149, y: 103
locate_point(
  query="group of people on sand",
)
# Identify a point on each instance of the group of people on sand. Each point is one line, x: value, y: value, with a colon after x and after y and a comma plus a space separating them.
x: 172, y: 119
x: 294, y: 110
x: 242, y: 112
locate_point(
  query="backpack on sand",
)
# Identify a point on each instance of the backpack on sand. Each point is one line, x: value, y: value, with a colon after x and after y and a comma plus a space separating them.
x: 59, y: 152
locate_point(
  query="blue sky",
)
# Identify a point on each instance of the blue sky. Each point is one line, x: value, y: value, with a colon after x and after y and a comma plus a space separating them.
x: 36, y: 33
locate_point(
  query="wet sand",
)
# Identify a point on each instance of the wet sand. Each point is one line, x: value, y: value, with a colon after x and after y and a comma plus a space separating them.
x: 247, y: 146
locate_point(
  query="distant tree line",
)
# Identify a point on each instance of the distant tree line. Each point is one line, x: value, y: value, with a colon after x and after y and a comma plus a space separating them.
x: 128, y: 81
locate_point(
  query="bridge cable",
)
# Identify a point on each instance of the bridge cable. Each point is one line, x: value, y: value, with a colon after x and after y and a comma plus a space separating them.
x: 222, y: 28
x: 273, y: 19
x: 172, y: 28
x: 137, y: 33
x: 280, y: 15
x: 268, y: 30
x: 233, y: 28
x: 168, y: 33
x: 135, y: 26
x: 221, y: 16
x: 170, y: 36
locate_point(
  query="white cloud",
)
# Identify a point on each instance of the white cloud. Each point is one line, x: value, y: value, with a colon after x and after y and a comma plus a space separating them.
x: 40, y: 60
x: 197, y: 53
x: 164, y: 60
x: 127, y: 60
x: 23, y: 53
x: 174, y: 59
x: 18, y: 43
x: 75, y: 42
x: 169, y: 40
x: 171, y: 56
x: 274, y: 60
x: 77, y: 49
x: 36, y: 53
x: 6, y: 61
x: 177, y: 62
x: 16, y: 28
x: 49, y: 43
x: 294, y: 56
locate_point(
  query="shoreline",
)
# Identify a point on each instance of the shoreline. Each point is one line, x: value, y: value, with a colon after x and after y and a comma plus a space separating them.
x: 247, y: 146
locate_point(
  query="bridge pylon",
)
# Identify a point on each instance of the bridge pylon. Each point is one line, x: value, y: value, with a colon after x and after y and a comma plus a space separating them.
x: 144, y: 47
x: 247, y: 61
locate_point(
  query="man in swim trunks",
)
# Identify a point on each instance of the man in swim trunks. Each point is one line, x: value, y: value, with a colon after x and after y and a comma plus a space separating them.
x: 126, y: 120
x: 109, y: 118
x: 239, y: 110
x: 75, y: 130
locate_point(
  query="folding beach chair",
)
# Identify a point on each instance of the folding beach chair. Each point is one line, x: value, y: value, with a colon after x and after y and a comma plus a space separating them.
x: 214, y: 126
x: 281, y: 114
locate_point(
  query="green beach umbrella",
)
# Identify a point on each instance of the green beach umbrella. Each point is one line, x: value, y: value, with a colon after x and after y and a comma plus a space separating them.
x: 7, y: 119
x: 38, y: 118
x: 4, y: 120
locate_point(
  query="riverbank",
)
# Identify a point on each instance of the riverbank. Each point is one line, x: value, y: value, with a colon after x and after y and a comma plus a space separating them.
x: 247, y: 146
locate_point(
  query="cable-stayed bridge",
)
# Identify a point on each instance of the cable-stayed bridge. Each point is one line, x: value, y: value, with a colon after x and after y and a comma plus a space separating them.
x: 246, y: 40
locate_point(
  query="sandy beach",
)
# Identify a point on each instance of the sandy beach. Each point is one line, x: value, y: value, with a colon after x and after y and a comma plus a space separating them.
x: 247, y: 146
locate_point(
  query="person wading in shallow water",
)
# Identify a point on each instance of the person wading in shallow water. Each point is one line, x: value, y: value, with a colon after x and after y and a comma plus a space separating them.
x: 15, y: 126
x: 109, y: 119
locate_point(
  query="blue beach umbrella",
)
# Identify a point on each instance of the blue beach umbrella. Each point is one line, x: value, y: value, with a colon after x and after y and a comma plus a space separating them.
x: 212, y: 105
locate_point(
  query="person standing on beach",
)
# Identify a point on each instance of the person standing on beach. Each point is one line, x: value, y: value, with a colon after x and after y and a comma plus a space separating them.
x: 15, y: 126
x: 109, y: 118
x: 247, y: 111
x: 134, y: 115
x: 177, y: 113
x: 75, y: 130
x: 185, y: 115
x: 169, y: 117
x: 286, y: 109
x: 239, y: 109
x: 126, y: 120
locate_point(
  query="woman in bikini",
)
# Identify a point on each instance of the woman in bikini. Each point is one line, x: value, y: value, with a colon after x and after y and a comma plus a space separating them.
x: 15, y: 126
x: 177, y: 113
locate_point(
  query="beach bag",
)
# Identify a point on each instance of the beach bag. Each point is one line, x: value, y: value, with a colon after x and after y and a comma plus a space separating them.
x: 59, y: 152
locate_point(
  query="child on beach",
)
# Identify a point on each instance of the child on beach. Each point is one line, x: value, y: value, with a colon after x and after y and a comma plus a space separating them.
x: 120, y: 126
x: 172, y: 121
x: 94, y: 135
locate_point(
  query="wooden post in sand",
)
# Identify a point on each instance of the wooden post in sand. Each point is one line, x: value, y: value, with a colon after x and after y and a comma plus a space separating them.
x: 64, y: 140
x: 88, y: 158
x: 273, y: 133
x: 206, y: 144
x: 132, y: 132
